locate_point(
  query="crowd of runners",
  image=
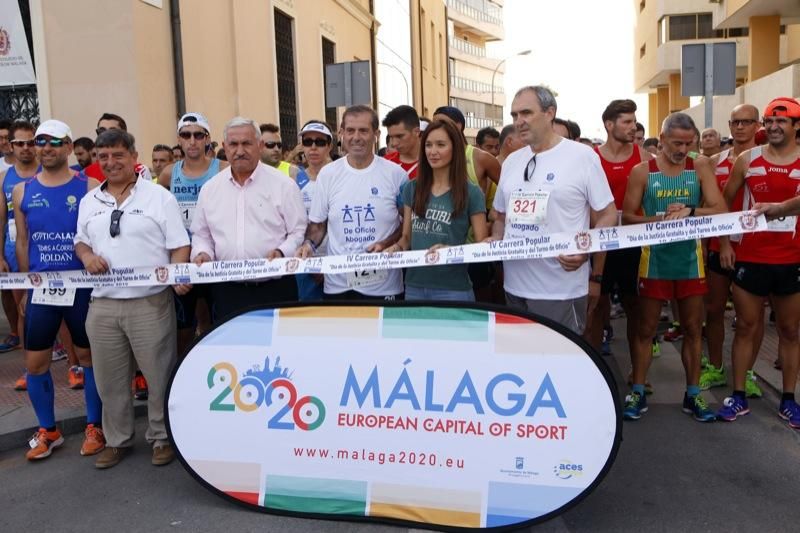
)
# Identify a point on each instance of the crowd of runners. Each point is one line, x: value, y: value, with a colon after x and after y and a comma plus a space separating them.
x: 81, y: 203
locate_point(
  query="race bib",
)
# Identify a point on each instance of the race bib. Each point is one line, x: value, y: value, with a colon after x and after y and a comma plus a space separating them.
x: 783, y: 224
x: 528, y: 206
x: 12, y: 230
x: 365, y: 278
x: 52, y: 296
x: 187, y: 212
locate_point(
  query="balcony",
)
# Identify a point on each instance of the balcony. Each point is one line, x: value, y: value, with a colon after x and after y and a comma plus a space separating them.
x: 468, y: 52
x: 474, y: 122
x: 472, y: 86
x: 467, y: 47
x: 488, y: 23
x: 477, y: 91
x: 737, y: 13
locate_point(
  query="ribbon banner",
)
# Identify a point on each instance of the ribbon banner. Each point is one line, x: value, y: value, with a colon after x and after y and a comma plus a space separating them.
x: 536, y: 247
x: 16, y: 67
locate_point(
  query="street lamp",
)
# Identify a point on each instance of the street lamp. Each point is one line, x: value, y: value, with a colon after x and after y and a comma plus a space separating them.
x: 405, y: 80
x: 523, y: 53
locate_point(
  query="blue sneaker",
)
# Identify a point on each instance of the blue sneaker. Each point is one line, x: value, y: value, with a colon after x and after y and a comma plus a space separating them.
x: 635, y: 405
x: 698, y: 408
x: 11, y: 342
x: 790, y: 411
x: 733, y: 407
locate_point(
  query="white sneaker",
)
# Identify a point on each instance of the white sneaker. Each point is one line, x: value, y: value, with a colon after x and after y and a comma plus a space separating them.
x: 59, y: 352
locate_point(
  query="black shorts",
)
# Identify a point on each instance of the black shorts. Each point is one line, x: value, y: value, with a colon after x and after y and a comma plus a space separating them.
x: 765, y: 279
x: 481, y: 274
x: 186, y: 306
x: 714, y: 265
x: 621, y: 270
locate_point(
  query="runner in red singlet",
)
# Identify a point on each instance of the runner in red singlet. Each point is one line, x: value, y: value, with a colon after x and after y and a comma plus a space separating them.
x: 402, y: 124
x: 768, y: 262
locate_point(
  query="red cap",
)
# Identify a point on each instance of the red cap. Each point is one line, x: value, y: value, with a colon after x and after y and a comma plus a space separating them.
x: 783, y: 107
x: 761, y: 136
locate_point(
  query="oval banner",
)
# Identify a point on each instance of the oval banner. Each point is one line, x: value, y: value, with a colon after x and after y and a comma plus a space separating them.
x: 434, y: 415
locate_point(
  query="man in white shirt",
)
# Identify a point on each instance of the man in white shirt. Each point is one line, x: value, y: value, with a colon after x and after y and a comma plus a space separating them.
x: 568, y: 185
x: 130, y: 222
x: 355, y: 205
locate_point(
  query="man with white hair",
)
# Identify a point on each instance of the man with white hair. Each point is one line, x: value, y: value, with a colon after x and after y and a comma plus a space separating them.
x: 247, y: 211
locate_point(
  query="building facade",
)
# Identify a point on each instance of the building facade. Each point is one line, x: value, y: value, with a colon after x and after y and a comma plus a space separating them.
x: 151, y: 60
x: 476, y: 79
x: 767, y: 48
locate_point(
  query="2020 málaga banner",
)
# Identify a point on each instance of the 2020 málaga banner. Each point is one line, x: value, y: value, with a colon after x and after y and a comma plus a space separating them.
x: 435, y: 415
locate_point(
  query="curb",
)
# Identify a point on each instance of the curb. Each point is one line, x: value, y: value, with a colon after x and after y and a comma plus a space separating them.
x: 69, y: 426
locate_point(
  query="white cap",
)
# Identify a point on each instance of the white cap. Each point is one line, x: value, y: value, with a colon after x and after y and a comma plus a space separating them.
x: 194, y: 119
x: 423, y: 124
x: 54, y: 128
x: 317, y: 127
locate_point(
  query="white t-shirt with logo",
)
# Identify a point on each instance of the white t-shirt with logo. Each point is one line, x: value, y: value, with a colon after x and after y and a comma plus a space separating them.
x: 360, y: 207
x: 568, y: 179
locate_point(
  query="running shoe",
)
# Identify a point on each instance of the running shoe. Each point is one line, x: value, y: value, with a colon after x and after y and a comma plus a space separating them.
x: 711, y: 376
x: 75, y: 377
x: 751, y: 388
x: 608, y: 332
x: 656, y: 348
x: 732, y: 408
x: 617, y: 311
x: 140, y: 387
x: 648, y: 387
x: 704, y: 360
x: 790, y: 411
x: 59, y: 352
x: 11, y: 342
x: 635, y: 406
x: 673, y: 333
x: 94, y: 440
x: 43, y: 443
x: 22, y: 382
x: 698, y: 408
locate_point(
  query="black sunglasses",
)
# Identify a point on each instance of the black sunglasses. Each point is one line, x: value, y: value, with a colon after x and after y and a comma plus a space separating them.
x: 318, y: 142
x: 55, y: 143
x: 528, y: 175
x: 113, y: 229
x: 21, y: 143
x: 198, y: 135
x: 272, y: 145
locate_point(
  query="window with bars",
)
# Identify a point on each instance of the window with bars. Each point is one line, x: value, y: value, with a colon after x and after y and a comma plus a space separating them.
x: 328, y: 58
x: 284, y: 65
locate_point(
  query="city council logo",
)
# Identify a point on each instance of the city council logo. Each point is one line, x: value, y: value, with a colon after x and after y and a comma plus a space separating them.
x: 5, y: 42
x: 162, y: 274
x: 432, y: 258
x: 748, y: 221
x: 35, y: 278
x: 583, y: 241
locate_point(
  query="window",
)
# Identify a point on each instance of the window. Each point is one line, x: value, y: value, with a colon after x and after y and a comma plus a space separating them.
x: 704, y: 29
x: 433, y: 62
x: 695, y: 26
x: 329, y: 57
x: 284, y: 66
x: 738, y: 32
x: 682, y: 27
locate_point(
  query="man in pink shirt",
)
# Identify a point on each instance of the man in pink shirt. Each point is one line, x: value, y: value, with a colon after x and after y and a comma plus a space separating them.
x: 247, y: 211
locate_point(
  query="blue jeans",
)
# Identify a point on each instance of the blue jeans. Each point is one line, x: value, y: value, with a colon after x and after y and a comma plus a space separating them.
x: 424, y: 293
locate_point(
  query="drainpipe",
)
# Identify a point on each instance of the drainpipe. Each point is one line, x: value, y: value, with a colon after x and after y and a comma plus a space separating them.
x: 177, y: 56
x: 373, y: 56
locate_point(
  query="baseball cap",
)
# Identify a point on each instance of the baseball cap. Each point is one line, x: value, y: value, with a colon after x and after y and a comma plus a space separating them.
x: 194, y: 119
x: 317, y: 127
x: 783, y: 107
x: 453, y: 112
x: 54, y: 128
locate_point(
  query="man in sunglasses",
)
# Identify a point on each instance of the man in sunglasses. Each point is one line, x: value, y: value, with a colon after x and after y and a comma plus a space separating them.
x: 272, y: 152
x: 22, y: 143
x: 743, y: 126
x: 184, y: 179
x: 767, y: 263
x: 110, y: 121
x: 46, y: 215
x: 130, y: 222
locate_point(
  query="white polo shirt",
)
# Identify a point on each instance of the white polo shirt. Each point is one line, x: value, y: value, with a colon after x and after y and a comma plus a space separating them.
x: 571, y: 177
x: 151, y: 225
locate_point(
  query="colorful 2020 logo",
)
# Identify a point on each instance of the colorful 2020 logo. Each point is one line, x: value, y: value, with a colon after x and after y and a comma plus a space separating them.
x: 265, y: 386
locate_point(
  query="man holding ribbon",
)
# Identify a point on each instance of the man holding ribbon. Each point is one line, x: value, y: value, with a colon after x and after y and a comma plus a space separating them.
x: 553, y: 185
x: 248, y: 211
x: 130, y: 222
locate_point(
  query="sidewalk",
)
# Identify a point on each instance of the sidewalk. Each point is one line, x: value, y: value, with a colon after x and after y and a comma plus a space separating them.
x: 18, y: 421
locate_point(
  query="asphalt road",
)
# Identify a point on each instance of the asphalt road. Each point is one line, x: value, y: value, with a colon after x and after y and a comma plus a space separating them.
x: 671, y: 474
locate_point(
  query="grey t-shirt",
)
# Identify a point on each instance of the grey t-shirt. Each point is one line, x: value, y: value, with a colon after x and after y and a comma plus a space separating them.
x: 440, y: 227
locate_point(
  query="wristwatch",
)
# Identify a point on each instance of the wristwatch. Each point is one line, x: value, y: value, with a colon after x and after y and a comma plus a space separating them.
x: 597, y: 278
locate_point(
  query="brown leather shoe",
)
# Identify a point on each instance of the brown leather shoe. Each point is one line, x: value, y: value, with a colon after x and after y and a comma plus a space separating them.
x: 110, y: 457
x: 163, y: 455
